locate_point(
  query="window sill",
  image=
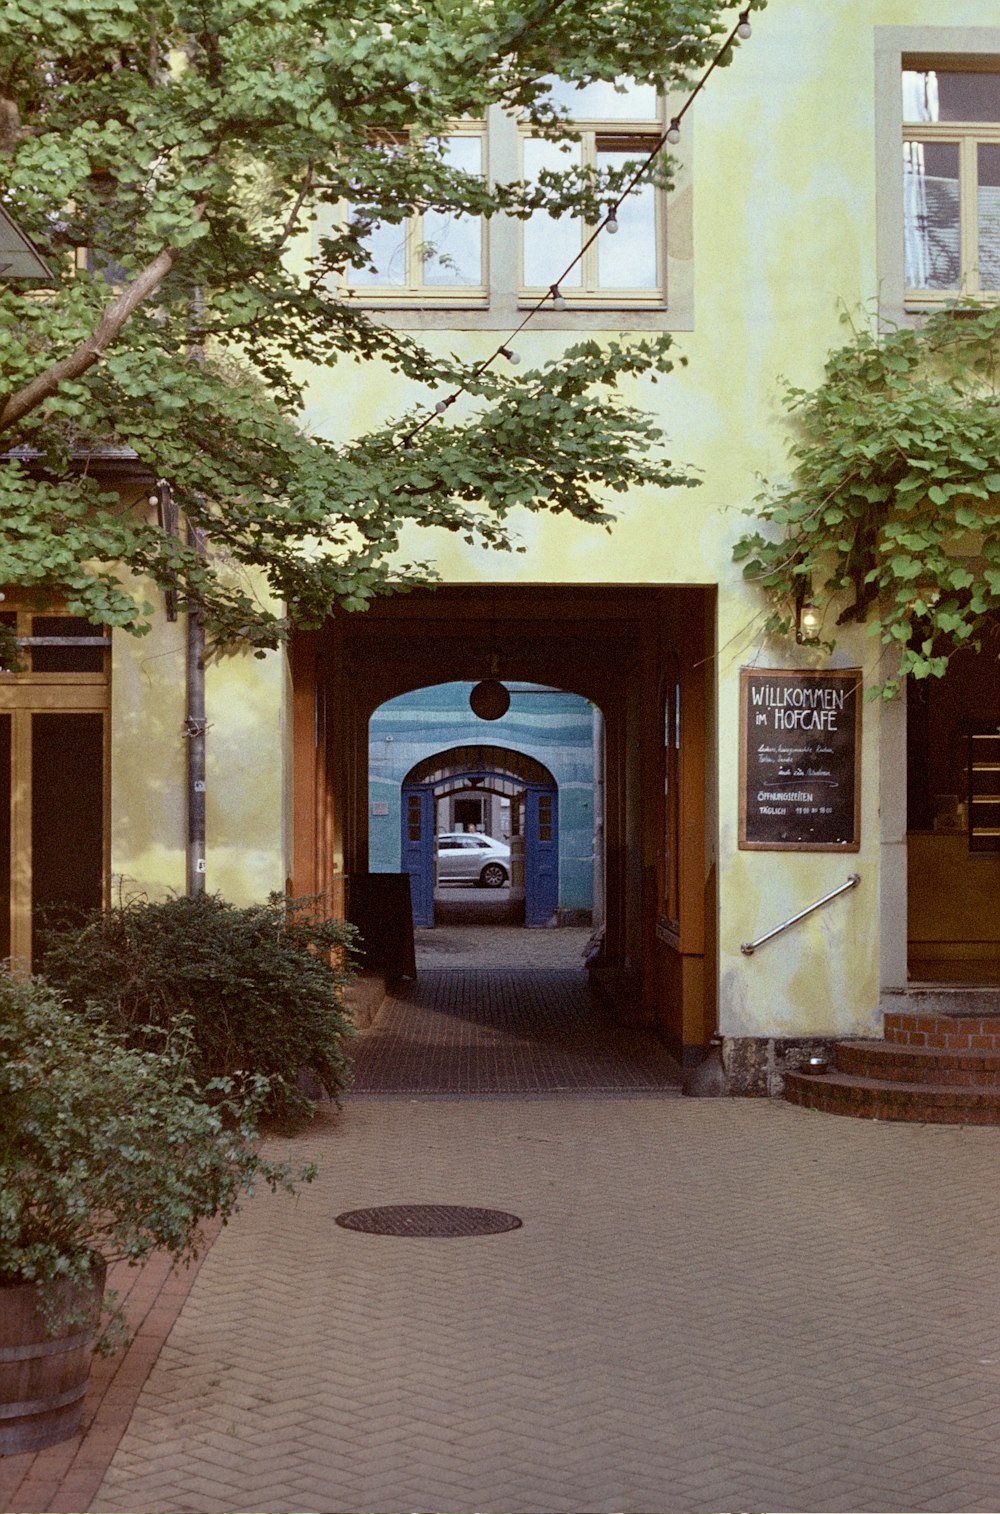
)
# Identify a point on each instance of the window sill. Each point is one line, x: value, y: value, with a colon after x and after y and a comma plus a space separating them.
x: 961, y: 304
x: 503, y: 315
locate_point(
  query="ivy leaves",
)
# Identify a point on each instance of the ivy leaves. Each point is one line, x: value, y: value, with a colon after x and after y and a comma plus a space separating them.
x: 894, y: 502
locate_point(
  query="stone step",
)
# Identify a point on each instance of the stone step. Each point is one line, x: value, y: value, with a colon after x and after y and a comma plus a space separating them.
x: 896, y: 1063
x: 888, y: 1099
x: 961, y: 999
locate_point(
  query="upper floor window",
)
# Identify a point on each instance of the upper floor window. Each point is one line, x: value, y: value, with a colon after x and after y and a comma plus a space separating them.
x: 430, y: 255
x: 951, y: 182
x: 613, y: 129
x: 433, y: 261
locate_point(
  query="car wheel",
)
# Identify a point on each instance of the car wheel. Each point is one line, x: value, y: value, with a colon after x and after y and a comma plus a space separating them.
x: 493, y: 875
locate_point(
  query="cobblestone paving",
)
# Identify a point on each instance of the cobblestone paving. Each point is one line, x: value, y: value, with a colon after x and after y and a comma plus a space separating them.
x: 711, y: 1305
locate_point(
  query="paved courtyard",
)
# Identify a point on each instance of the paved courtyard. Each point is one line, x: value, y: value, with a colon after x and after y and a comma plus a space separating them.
x: 709, y: 1305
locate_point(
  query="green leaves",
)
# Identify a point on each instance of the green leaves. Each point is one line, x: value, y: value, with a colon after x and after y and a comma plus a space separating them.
x: 109, y: 1148
x: 246, y: 991
x: 902, y: 441
x: 180, y: 151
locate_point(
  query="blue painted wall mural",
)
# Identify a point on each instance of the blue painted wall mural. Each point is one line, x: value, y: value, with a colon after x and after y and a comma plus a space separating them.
x: 555, y: 728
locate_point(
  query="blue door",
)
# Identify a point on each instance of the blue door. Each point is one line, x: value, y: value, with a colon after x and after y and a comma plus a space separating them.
x: 541, y: 856
x: 418, y: 850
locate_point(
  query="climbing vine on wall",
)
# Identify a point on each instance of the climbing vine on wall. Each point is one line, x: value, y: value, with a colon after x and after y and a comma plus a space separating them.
x: 892, y: 511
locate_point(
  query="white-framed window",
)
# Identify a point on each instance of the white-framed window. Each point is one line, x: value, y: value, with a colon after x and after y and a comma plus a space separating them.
x: 460, y: 271
x: 951, y: 180
x: 937, y: 143
x: 430, y: 256
x: 613, y: 129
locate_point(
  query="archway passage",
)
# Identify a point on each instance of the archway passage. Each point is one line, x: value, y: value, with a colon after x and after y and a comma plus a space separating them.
x: 642, y: 656
x: 533, y: 796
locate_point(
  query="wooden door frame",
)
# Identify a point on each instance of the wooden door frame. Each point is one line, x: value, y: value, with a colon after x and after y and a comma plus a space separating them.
x: 360, y: 662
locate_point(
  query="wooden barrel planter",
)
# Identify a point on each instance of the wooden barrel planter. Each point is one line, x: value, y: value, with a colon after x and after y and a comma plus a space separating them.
x: 44, y: 1372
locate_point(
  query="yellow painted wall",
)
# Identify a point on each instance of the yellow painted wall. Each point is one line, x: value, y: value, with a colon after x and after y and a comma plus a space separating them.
x: 784, y: 173
x: 147, y: 762
x: 246, y: 820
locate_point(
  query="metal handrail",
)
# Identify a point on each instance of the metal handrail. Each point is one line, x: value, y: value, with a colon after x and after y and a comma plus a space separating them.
x: 749, y: 947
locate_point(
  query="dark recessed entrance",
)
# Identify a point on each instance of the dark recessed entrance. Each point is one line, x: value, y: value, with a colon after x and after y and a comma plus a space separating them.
x: 953, y: 820
x: 641, y: 655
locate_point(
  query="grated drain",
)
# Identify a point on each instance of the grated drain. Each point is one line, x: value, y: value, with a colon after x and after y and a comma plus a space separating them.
x: 428, y: 1220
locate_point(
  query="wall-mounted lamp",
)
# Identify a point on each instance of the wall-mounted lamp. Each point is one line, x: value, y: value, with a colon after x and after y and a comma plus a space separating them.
x: 807, y: 619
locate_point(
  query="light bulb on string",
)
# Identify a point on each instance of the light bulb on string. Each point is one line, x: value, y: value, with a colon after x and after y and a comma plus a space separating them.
x: 744, y: 30
x: 558, y: 302
x: 512, y: 357
x: 674, y: 131
x: 408, y: 442
x: 611, y: 224
x: 442, y: 405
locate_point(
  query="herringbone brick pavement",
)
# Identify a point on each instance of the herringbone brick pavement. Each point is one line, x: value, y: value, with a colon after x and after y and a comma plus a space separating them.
x: 711, y: 1305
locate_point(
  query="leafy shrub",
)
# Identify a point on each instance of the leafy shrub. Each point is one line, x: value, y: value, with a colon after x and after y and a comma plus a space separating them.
x: 257, y: 990
x: 108, y: 1149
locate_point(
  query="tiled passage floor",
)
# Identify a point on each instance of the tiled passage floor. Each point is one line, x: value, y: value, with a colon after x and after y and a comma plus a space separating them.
x: 507, y: 1031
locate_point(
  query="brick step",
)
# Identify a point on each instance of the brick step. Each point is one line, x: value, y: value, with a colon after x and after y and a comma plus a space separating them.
x: 934, y: 1028
x: 889, y: 1061
x: 887, y: 1099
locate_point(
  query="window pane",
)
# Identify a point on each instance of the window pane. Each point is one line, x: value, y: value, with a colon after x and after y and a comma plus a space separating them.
x: 628, y: 260
x: 388, y: 248
x: 933, y: 95
x: 452, y: 246
x: 601, y: 101
x: 67, y: 767
x: 66, y: 659
x: 989, y: 215
x: 549, y: 244
x: 931, y: 215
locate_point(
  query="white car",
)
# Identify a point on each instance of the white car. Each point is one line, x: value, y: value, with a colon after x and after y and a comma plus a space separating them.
x: 465, y: 857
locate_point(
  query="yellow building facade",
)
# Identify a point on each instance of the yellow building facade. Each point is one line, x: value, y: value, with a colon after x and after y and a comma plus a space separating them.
x: 788, y: 212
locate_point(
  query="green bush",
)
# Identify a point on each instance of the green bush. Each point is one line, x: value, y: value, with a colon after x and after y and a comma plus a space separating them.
x: 257, y: 991
x: 108, y: 1150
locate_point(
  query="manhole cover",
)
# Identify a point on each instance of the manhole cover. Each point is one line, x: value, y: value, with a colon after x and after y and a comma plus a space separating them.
x: 428, y: 1220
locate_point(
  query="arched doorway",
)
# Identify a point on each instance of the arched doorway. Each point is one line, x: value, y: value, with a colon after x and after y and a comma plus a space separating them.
x: 641, y: 654
x: 534, y: 802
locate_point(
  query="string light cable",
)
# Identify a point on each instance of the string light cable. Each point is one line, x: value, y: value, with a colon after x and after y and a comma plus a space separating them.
x: 553, y: 296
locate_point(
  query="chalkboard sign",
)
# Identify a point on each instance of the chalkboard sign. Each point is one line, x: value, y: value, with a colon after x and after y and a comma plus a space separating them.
x: 800, y: 754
